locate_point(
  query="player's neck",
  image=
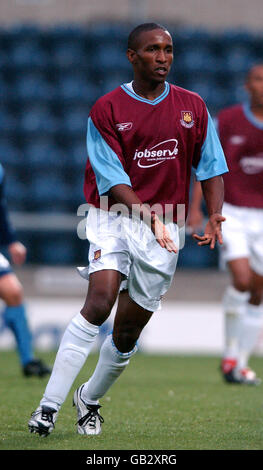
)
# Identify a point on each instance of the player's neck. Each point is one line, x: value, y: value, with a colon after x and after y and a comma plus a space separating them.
x: 257, y: 111
x: 147, y: 90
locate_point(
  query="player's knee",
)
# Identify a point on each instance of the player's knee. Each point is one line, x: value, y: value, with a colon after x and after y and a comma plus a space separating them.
x: 98, y: 308
x: 14, y: 295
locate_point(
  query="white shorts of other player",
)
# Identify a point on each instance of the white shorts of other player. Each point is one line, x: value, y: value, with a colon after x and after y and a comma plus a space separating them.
x: 243, y: 235
x: 129, y: 246
x: 5, y: 267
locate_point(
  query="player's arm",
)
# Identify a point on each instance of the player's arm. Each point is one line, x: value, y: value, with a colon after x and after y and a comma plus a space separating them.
x: 213, y: 191
x: 195, y: 215
x: 105, y: 155
x: 211, y: 165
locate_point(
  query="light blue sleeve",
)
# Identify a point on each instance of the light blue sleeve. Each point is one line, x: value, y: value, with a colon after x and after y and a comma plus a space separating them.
x: 212, y: 162
x: 104, y: 161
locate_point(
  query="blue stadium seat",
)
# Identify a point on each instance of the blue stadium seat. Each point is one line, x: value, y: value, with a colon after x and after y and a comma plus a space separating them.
x: 10, y: 155
x: 238, y: 59
x: 27, y: 55
x: 33, y: 86
x: 16, y: 190
x: 110, y: 58
x: 78, y: 153
x: 8, y: 121
x: 49, y: 191
x: 75, y: 121
x: 38, y: 120
x: 74, y: 88
x: 55, y: 249
x: 66, y: 55
x: 192, y: 257
x: 5, y: 90
x: 196, y: 58
x: 43, y: 153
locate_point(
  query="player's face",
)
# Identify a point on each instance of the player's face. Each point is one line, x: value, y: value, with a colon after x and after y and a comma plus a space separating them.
x: 254, y: 85
x: 153, y: 57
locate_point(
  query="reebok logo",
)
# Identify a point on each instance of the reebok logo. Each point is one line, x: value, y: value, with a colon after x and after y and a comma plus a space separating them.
x: 159, y: 153
x: 124, y: 126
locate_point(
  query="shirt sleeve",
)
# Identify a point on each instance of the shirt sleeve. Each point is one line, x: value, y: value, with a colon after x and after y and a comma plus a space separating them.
x: 212, y: 160
x: 105, y: 163
x: 7, y: 233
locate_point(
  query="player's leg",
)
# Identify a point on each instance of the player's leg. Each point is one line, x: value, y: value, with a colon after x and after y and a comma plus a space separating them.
x: 250, y: 328
x: 235, y: 253
x: 14, y: 316
x: 151, y: 273
x: 115, y: 354
x: 75, y: 347
x: 234, y: 305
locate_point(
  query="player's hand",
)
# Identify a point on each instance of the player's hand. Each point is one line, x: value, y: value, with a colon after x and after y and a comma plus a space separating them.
x: 162, y: 235
x: 212, y: 232
x: 17, y: 252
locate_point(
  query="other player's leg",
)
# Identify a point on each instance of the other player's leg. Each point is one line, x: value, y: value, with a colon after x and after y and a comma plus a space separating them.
x: 241, y: 324
x: 14, y: 316
x: 251, y: 325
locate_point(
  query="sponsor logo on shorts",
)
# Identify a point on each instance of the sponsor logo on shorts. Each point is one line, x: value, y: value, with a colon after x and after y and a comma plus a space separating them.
x: 124, y: 126
x: 159, y: 153
x: 187, y: 119
x: 97, y: 255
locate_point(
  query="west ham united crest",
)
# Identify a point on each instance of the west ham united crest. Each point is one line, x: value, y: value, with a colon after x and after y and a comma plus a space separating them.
x: 187, y: 119
x: 97, y: 255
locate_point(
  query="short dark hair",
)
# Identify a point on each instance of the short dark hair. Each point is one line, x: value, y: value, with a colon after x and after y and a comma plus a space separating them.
x: 133, y: 36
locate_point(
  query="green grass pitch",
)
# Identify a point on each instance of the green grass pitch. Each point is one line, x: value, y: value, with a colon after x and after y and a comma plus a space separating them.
x: 159, y: 402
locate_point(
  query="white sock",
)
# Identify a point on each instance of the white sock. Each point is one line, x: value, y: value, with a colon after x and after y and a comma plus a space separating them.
x: 110, y: 365
x: 251, y: 325
x: 234, y: 305
x: 74, y: 348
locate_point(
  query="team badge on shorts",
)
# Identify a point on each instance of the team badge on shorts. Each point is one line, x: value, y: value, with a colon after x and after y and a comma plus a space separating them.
x: 187, y: 119
x: 97, y: 255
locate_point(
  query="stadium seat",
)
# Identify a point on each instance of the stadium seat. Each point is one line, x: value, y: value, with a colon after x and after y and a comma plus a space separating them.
x: 74, y: 88
x: 9, y: 153
x: 56, y: 249
x: 110, y: 57
x: 38, y: 120
x: 238, y: 59
x: 33, y: 86
x: 8, y: 122
x: 198, y: 58
x: 75, y: 121
x: 192, y: 257
x: 49, y: 192
x: 66, y: 55
x: 43, y: 153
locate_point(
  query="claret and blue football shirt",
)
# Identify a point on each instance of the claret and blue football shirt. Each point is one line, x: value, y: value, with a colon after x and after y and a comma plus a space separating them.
x: 151, y: 145
x: 241, y: 136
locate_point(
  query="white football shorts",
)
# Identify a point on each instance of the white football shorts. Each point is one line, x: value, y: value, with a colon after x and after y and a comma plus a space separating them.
x: 243, y: 235
x: 127, y: 245
x: 5, y: 267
